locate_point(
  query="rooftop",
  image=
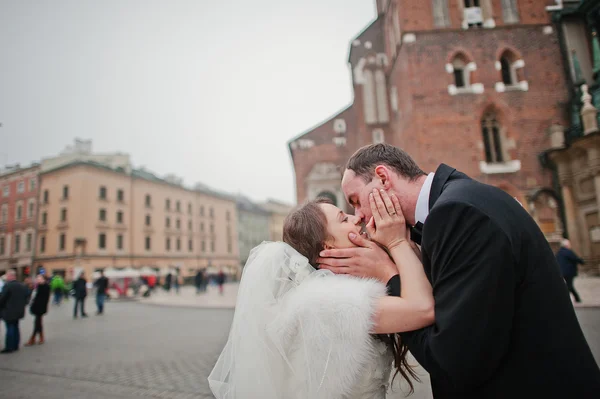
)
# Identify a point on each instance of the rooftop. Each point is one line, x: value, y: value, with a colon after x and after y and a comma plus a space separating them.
x: 144, y: 174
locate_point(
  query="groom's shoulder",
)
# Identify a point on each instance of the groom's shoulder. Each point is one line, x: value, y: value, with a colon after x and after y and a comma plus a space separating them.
x: 481, y: 199
x: 465, y: 191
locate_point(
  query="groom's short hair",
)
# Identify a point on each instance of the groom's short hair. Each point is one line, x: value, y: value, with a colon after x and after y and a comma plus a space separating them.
x: 364, y: 161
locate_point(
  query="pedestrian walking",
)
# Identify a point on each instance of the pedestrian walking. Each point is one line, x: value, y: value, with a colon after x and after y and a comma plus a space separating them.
x: 101, y: 285
x: 68, y: 292
x: 568, y: 261
x: 57, y: 286
x: 177, y: 282
x: 38, y: 308
x: 221, y: 280
x: 168, y: 281
x: 12, y: 307
x: 80, y: 287
x: 198, y: 280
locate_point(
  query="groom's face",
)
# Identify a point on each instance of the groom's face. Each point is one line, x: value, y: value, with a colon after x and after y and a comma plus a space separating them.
x: 357, y: 193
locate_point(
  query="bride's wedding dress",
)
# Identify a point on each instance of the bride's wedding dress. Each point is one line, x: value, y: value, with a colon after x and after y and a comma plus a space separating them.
x: 301, y: 333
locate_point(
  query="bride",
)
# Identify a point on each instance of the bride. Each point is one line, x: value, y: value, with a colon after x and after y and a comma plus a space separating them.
x: 299, y: 332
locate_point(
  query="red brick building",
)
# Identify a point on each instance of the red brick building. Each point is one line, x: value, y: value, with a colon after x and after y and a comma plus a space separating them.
x: 477, y: 84
x: 18, y: 211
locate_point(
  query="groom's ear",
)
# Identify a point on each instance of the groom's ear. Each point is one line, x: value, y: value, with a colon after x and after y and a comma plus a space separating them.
x: 382, y: 174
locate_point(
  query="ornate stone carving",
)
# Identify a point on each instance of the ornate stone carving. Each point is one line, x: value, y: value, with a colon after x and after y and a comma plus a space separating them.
x: 557, y: 136
x: 325, y: 171
x: 565, y: 179
x: 588, y: 112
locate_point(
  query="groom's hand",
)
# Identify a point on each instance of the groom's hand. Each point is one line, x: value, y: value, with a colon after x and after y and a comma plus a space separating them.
x: 366, y: 260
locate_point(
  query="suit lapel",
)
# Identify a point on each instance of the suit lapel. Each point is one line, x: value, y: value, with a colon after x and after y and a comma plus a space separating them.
x: 441, y: 176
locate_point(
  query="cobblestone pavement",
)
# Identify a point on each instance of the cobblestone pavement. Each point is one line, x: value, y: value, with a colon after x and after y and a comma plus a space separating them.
x: 136, y: 350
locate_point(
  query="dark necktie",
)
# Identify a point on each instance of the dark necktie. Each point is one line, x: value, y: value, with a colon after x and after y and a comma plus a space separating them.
x: 416, y: 233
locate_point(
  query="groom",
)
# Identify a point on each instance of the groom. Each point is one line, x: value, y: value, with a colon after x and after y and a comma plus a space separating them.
x: 505, y: 326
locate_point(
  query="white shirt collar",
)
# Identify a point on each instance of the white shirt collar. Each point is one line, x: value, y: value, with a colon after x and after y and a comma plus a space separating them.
x: 422, y: 208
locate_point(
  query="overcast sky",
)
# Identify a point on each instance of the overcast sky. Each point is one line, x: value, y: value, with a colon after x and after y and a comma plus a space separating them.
x: 208, y: 90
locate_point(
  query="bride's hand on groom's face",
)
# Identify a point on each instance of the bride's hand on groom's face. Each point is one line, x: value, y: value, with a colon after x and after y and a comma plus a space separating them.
x: 365, y: 260
x: 387, y: 226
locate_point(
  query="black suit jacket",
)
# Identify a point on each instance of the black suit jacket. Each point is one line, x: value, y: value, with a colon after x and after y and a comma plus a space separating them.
x: 504, y: 323
x: 13, y: 301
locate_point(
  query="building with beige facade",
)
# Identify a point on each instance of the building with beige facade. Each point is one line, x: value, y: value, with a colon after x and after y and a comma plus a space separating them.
x: 253, y: 226
x: 278, y: 211
x: 95, y: 215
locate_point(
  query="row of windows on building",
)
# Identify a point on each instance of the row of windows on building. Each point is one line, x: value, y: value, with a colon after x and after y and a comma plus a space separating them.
x: 102, y: 243
x: 20, y: 187
x: 476, y: 13
x: 509, y: 66
x: 102, y: 217
x: 178, y: 224
x: 177, y: 208
x: 19, y: 215
x: 103, y: 195
x: 28, y: 237
x: 494, y: 141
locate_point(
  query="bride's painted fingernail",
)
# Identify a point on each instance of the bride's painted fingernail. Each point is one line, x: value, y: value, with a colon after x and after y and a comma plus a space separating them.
x: 352, y: 235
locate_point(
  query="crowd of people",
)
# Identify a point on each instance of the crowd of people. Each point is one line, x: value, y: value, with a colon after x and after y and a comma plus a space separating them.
x: 38, y: 292
x: 15, y: 296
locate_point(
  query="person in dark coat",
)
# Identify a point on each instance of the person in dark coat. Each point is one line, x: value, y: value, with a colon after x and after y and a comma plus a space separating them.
x: 198, y: 280
x: 504, y: 326
x: 101, y: 288
x: 221, y: 281
x: 80, y: 288
x: 168, y: 281
x: 12, y: 306
x: 568, y: 261
x: 38, y: 308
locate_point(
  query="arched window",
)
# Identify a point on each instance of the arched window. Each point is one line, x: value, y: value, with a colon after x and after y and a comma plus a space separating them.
x: 329, y: 195
x: 507, y: 76
x: 461, y: 72
x: 510, y: 69
x: 492, y: 139
x: 370, y: 103
x: 381, y: 96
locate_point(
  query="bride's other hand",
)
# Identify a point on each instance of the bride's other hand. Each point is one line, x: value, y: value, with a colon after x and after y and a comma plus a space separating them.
x: 387, y: 226
x: 367, y: 259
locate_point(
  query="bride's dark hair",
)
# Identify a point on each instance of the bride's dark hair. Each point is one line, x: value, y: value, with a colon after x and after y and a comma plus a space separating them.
x: 305, y: 230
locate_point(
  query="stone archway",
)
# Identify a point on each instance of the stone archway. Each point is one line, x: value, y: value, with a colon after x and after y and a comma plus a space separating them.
x: 329, y: 195
x: 324, y: 181
x: 544, y: 207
